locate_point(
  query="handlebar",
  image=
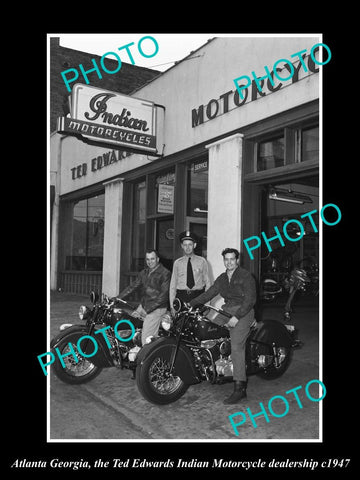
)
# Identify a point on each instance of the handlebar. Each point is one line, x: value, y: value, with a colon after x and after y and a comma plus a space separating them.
x: 110, y: 302
x: 121, y: 300
x: 218, y: 310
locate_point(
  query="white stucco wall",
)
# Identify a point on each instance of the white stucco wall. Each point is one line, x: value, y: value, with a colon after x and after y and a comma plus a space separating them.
x: 210, y: 74
x: 207, y: 74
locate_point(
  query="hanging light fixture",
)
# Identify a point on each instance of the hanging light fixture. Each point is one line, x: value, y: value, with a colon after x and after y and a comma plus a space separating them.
x: 289, y: 196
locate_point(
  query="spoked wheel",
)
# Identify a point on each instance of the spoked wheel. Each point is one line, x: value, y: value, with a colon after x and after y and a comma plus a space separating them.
x: 74, y: 372
x: 154, y: 380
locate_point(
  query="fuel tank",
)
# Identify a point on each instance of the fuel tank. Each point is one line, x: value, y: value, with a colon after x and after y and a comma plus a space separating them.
x: 206, y: 330
x: 124, y: 314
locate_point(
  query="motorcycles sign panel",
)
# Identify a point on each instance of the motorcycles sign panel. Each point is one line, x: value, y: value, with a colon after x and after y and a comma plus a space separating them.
x: 111, y: 118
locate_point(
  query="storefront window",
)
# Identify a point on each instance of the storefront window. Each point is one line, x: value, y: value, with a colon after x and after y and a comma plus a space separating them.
x: 271, y: 154
x: 310, y: 144
x: 138, y: 243
x: 197, y: 202
x: 86, y: 238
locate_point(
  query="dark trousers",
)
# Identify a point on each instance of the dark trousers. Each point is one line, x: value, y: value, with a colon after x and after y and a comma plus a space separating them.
x: 238, y: 337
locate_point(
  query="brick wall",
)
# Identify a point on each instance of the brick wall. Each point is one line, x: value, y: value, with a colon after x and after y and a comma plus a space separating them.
x: 127, y: 79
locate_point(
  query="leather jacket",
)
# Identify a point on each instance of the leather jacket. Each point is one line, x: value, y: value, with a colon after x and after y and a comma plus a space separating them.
x: 153, y: 287
x: 239, y: 294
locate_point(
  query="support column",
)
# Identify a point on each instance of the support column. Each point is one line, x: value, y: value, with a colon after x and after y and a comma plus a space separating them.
x: 54, y: 243
x: 112, y: 236
x: 55, y: 180
x: 224, y: 199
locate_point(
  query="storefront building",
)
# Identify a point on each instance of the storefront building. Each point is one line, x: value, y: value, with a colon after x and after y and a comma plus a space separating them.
x: 222, y: 161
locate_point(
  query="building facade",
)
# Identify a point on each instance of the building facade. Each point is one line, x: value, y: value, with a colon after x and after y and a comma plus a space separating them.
x: 227, y: 154
x: 72, y: 259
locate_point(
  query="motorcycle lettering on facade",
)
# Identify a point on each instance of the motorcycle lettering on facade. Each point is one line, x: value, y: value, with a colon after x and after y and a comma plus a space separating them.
x: 249, y: 88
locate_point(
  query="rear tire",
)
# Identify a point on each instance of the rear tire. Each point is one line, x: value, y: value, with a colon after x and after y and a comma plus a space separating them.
x: 276, y: 369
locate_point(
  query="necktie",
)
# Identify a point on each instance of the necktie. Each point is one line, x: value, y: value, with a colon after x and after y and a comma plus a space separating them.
x: 190, y: 275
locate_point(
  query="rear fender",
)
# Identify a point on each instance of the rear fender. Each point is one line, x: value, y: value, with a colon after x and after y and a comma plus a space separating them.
x: 184, y: 364
x: 102, y: 357
x: 272, y: 331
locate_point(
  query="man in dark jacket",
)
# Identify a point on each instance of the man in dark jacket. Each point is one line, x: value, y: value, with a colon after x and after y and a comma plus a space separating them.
x: 237, y: 287
x: 153, y: 282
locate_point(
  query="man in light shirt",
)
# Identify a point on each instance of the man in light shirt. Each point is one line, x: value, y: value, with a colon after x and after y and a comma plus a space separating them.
x: 190, y: 274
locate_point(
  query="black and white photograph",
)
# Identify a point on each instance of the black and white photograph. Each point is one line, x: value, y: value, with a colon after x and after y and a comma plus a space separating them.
x: 190, y: 233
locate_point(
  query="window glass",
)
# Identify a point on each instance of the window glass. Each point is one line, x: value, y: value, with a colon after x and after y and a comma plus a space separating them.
x: 85, y: 236
x: 197, y: 192
x: 95, y: 225
x: 271, y: 154
x: 310, y: 144
x: 138, y: 243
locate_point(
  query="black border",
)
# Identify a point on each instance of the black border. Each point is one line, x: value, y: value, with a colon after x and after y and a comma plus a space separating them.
x: 25, y: 435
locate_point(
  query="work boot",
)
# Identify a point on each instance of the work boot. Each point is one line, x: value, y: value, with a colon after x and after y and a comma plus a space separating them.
x: 238, y: 393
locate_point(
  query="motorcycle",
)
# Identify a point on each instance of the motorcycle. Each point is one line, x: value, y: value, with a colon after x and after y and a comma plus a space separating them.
x: 309, y: 284
x: 311, y: 268
x: 195, y: 349
x: 298, y: 281
x: 277, y: 265
x: 118, y: 345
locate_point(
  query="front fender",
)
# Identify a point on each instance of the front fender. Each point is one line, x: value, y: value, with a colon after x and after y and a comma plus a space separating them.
x: 64, y: 333
x: 184, y: 364
x: 101, y: 359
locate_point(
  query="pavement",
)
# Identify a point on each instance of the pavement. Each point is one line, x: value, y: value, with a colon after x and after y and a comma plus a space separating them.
x: 111, y: 408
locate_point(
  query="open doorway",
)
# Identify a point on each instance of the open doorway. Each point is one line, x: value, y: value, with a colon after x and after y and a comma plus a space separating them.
x: 281, y: 202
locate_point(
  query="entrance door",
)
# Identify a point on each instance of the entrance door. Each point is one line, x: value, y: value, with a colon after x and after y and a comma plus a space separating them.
x: 198, y: 226
x: 164, y: 240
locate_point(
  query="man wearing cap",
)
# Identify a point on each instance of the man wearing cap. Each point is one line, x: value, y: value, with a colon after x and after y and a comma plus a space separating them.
x: 190, y: 274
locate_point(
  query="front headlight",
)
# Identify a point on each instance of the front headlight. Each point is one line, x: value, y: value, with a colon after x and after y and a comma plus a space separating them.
x: 166, y: 321
x: 83, y: 312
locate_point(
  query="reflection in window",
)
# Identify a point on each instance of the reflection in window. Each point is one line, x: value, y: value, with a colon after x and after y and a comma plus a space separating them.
x: 197, y: 200
x: 86, y: 238
x: 271, y: 154
x: 310, y: 144
x: 138, y: 243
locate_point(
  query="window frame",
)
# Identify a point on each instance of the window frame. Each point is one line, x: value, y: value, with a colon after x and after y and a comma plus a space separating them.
x: 68, y: 233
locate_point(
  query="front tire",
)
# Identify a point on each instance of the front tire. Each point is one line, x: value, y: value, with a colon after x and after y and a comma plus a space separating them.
x: 154, y: 381
x: 74, y: 372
